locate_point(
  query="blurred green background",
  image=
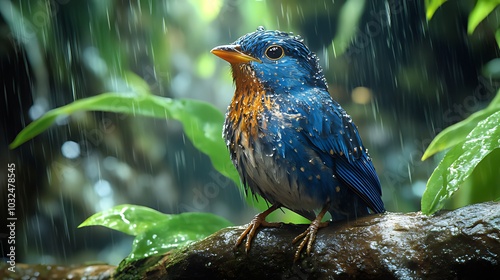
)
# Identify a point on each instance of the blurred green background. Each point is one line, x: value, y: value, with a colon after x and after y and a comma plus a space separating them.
x: 402, y: 79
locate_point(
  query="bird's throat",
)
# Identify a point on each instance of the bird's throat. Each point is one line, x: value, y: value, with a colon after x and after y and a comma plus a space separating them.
x: 249, y: 102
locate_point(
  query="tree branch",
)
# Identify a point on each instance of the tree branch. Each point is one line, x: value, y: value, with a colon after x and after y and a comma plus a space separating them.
x: 460, y: 244
x: 463, y: 244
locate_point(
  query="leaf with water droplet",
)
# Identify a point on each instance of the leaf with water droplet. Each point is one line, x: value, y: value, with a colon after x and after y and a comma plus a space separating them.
x: 457, y: 133
x: 458, y: 164
x: 156, y: 233
x: 177, y: 231
x: 126, y: 218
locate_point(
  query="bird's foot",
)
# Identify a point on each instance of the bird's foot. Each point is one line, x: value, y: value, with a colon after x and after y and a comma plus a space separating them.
x: 257, y: 221
x: 309, y: 235
x: 308, y: 238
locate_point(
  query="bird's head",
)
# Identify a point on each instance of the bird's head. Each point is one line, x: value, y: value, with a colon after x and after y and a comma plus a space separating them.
x: 277, y: 60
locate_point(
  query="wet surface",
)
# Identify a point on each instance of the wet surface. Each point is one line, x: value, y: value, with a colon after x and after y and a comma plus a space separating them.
x: 448, y: 245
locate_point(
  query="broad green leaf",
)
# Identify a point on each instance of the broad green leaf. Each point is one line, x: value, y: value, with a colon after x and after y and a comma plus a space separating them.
x: 177, y: 231
x: 431, y: 6
x: 458, y: 164
x: 126, y: 218
x: 156, y: 233
x: 482, y: 184
x: 457, y: 133
x: 482, y: 9
x: 202, y: 122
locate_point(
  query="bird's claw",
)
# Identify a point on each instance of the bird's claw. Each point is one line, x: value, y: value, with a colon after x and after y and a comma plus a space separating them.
x: 308, y: 237
x: 249, y: 233
x: 258, y: 221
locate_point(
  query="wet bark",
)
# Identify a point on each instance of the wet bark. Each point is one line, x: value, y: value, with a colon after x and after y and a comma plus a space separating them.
x: 460, y: 244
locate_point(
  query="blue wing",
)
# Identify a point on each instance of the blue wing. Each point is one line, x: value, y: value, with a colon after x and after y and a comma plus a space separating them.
x: 333, y: 135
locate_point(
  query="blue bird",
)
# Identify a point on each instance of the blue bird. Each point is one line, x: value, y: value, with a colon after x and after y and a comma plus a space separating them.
x: 290, y: 141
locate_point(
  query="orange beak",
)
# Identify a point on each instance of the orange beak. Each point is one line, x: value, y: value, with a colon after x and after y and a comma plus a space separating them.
x: 233, y: 54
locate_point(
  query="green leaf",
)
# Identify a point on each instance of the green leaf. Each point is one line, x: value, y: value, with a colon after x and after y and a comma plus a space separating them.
x: 177, y: 231
x: 458, y: 164
x: 202, y: 122
x: 156, y: 233
x: 126, y: 218
x: 482, y: 9
x: 431, y: 6
x: 457, y: 133
x: 482, y: 184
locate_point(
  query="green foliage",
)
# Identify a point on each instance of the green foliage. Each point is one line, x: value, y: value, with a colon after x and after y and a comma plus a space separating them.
x: 482, y: 184
x: 480, y: 11
x: 473, y: 142
x: 129, y: 219
x: 156, y: 233
x: 431, y: 6
x: 202, y: 122
x: 457, y: 133
x: 459, y: 163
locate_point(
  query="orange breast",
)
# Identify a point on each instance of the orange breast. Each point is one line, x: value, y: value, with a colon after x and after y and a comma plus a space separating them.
x: 246, y: 108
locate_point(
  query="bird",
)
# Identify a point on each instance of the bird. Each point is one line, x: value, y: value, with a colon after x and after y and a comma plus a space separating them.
x: 290, y: 141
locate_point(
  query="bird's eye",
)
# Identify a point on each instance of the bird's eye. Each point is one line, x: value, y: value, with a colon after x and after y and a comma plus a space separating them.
x: 275, y: 52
